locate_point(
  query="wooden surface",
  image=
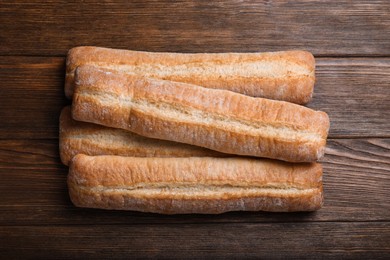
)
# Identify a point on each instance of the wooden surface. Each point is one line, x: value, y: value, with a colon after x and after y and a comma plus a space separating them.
x: 351, y: 42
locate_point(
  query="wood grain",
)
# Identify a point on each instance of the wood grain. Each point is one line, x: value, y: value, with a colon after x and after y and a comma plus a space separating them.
x: 356, y: 95
x: 304, y: 240
x: 354, y: 92
x: 327, y: 28
x: 31, y: 96
x: 351, y: 41
x: 30, y: 154
x: 34, y: 181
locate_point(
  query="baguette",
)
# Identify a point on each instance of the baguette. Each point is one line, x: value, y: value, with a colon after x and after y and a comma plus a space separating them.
x: 220, y: 120
x: 194, y: 185
x: 80, y: 137
x: 285, y: 75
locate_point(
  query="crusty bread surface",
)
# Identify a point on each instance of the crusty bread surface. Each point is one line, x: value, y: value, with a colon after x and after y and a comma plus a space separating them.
x: 79, y: 137
x: 194, y: 185
x: 220, y: 120
x: 284, y: 75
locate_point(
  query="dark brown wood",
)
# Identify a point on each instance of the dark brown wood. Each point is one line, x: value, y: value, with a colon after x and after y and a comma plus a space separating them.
x: 224, y: 240
x: 33, y: 185
x: 354, y: 92
x: 351, y: 42
x: 31, y: 96
x: 324, y: 27
x: 30, y: 154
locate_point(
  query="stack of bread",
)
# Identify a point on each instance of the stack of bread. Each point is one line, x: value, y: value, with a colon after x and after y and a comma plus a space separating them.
x: 192, y: 133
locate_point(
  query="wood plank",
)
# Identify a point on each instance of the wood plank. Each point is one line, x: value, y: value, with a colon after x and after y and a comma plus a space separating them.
x: 356, y: 95
x: 34, y: 192
x: 354, y: 92
x: 31, y: 96
x: 30, y: 154
x: 282, y: 240
x: 326, y: 28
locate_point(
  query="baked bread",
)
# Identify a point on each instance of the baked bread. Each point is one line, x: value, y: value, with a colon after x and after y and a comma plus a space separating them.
x: 284, y: 75
x: 194, y: 185
x: 220, y: 120
x: 86, y: 138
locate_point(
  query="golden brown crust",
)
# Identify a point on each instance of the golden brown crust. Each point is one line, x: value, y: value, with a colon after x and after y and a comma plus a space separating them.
x: 194, y: 185
x: 216, y: 119
x: 285, y: 75
x: 79, y: 137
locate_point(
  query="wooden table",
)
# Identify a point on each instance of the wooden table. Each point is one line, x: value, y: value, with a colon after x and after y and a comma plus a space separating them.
x: 351, y: 42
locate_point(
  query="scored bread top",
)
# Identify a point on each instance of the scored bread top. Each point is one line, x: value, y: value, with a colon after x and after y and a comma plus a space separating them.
x: 91, y: 139
x: 285, y: 75
x: 194, y: 185
x: 136, y: 172
x: 217, y: 119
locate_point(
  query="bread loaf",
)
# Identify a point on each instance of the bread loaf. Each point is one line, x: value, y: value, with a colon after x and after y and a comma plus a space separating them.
x: 194, y: 185
x: 91, y: 139
x: 285, y: 75
x: 220, y: 120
